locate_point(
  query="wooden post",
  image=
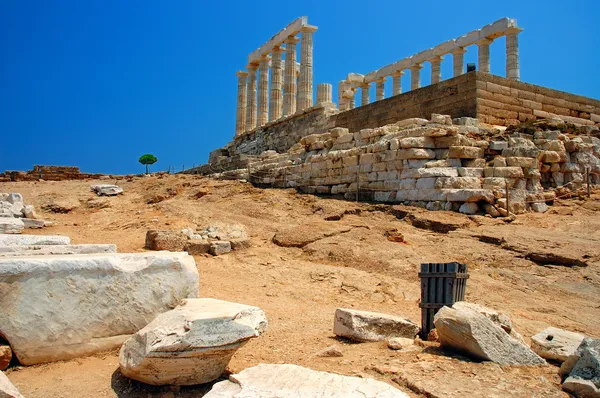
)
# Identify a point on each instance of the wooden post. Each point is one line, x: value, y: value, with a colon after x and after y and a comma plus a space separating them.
x: 507, y: 199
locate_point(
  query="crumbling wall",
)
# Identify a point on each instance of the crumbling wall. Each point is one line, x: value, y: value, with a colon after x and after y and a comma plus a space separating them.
x: 48, y: 173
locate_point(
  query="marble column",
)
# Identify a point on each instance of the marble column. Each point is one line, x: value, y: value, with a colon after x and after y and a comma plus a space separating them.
x: 380, y: 89
x: 352, y: 101
x: 343, y: 97
x: 263, y: 91
x: 240, y: 115
x: 364, y: 93
x: 436, y: 69
x: 415, y: 76
x: 397, y: 82
x: 513, y: 71
x: 483, y: 56
x: 458, y: 56
x: 324, y: 94
x: 289, y: 77
x: 251, y: 94
x: 305, y: 82
x: 275, y: 105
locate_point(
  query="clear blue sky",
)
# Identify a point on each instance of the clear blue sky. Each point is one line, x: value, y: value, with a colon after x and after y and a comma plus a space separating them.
x: 97, y: 83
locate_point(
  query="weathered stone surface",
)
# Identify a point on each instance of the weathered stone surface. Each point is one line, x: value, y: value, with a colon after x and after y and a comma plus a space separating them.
x: 330, y: 352
x: 29, y: 240
x: 465, y: 152
x: 468, y: 208
x: 6, y: 251
x: 468, y: 331
x: 302, y: 235
x: 106, y: 189
x: 582, y: 369
x: 197, y: 246
x: 399, y: 343
x: 34, y: 224
x: 371, y: 326
x: 191, y: 344
x: 498, y: 318
x: 29, y: 212
x: 166, y: 240
x: 14, y: 197
x: 7, y: 389
x: 556, y: 344
x: 240, y: 243
x: 219, y: 247
x: 5, y: 356
x: 11, y: 225
x: 64, y: 306
x: 272, y: 381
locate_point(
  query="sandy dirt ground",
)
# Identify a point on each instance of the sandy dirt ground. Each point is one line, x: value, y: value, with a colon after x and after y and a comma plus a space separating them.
x: 345, y: 260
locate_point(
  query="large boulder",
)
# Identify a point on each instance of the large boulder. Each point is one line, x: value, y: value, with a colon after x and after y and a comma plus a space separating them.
x: 11, y: 225
x: 29, y: 240
x: 371, y: 326
x: 7, y: 389
x: 106, y: 189
x: 278, y: 381
x: 556, y: 344
x: 472, y: 333
x: 191, y: 344
x: 582, y: 370
x: 57, y: 307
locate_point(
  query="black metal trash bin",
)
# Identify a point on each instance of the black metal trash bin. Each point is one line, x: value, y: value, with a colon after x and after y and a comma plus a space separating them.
x: 441, y: 284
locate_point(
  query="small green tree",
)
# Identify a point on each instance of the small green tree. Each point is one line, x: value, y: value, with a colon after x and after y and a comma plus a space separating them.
x: 148, y: 159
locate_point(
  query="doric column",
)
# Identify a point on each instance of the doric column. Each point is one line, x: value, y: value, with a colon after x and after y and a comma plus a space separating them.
x: 251, y: 93
x: 240, y: 115
x: 397, y: 82
x: 436, y: 69
x: 276, y: 84
x: 343, y: 95
x: 513, y: 71
x: 289, y: 77
x: 380, y: 89
x: 483, y: 56
x: 352, y: 102
x: 364, y: 93
x: 415, y: 76
x: 263, y: 91
x: 305, y: 83
x: 458, y: 56
x: 324, y: 94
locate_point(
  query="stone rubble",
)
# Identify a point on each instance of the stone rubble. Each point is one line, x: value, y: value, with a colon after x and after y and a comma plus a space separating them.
x: 470, y: 332
x: 279, y: 381
x: 366, y: 326
x: 581, y: 370
x: 191, y: 344
x: 15, y: 215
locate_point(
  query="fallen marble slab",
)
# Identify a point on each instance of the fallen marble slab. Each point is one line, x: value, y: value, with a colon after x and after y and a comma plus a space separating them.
x: 11, y: 225
x: 371, y: 326
x: 106, y: 189
x: 282, y: 381
x: 191, y: 344
x: 7, y: 389
x: 556, y: 344
x: 28, y: 240
x: 11, y: 251
x: 34, y: 223
x: 57, y: 307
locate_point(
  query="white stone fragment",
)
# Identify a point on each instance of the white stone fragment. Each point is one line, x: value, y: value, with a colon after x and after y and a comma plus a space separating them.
x: 556, y: 344
x: 11, y: 225
x: 106, y: 189
x: 7, y: 389
x: 6, y: 251
x: 28, y: 240
x: 371, y: 326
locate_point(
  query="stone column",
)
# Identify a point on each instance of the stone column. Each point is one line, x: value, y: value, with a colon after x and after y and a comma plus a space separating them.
x: 364, y: 93
x: 458, y: 56
x: 513, y: 71
x: 276, y: 84
x: 483, y: 57
x: 263, y: 91
x: 251, y: 93
x: 415, y: 76
x: 380, y: 89
x: 343, y: 95
x: 397, y: 82
x: 352, y: 101
x: 289, y: 77
x: 436, y: 69
x: 240, y: 115
x: 324, y: 94
x: 305, y: 83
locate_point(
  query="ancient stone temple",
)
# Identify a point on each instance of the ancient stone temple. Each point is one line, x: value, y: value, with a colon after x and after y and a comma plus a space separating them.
x: 473, y: 142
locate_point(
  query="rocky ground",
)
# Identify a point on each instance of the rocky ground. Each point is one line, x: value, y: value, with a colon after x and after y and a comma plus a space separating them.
x: 541, y: 269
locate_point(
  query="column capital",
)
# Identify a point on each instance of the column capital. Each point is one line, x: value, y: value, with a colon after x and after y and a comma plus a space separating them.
x: 252, y: 66
x: 241, y: 73
x: 437, y: 58
x: 458, y: 51
x: 416, y: 67
x: 365, y: 85
x: 484, y: 42
x: 266, y: 57
x: 278, y: 48
x: 291, y: 40
x: 513, y: 30
x: 398, y: 73
x: 381, y: 79
x: 308, y: 29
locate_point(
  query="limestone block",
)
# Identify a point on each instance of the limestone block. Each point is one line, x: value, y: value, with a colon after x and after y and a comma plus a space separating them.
x: 478, y: 163
x: 394, y: 144
x: 417, y: 142
x: 407, y: 183
x: 415, y: 163
x: 499, y: 162
x: 345, y: 138
x: 453, y: 163
x: 29, y: 250
x: 7, y: 389
x: 371, y: 326
x: 466, y: 121
x: 426, y: 183
x: 384, y: 196
x: 570, y: 168
x: 507, y: 172
x: 468, y: 208
x: 64, y: 306
x: 441, y: 119
x: 494, y: 183
x: 416, y: 153
x: 468, y: 331
x: 550, y: 157
x: 28, y: 240
x: 429, y: 172
x: 525, y: 152
x: 465, y: 152
x: 539, y: 208
x: 270, y: 380
x: 413, y: 121
x: 426, y: 195
x: 166, y: 240
x: 197, y: 246
x: 556, y: 344
x: 442, y: 154
x: 469, y: 195
x: 470, y: 171
x: 514, y: 161
x: 11, y: 225
x: 191, y: 344
x: 498, y: 145
x: 337, y: 132
x: 458, y: 182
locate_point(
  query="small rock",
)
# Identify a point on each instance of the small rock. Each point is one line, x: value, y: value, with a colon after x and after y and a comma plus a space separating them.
x: 556, y: 344
x: 539, y: 207
x: 7, y: 389
x: 393, y: 235
x: 5, y: 356
x: 106, y: 189
x: 399, y: 343
x: 219, y: 247
x: 372, y: 326
x: 469, y: 208
x: 330, y: 352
